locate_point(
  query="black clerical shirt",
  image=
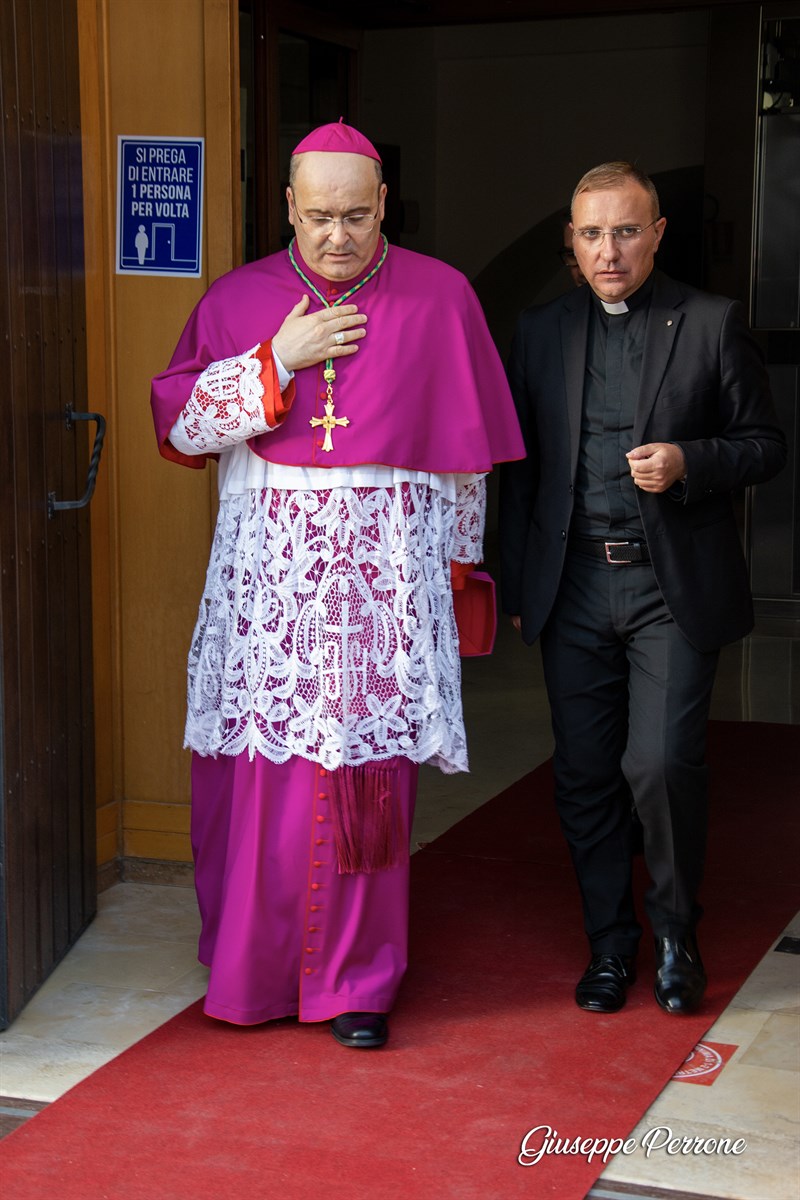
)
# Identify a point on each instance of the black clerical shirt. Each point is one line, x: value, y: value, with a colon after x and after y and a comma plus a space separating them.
x: 605, y: 494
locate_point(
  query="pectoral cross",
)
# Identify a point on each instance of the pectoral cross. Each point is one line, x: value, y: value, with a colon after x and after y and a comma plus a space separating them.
x: 329, y: 421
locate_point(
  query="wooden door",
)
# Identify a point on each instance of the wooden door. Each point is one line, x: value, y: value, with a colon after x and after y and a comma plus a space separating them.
x: 47, y: 834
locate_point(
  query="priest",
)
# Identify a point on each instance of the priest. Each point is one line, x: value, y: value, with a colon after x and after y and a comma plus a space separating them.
x: 354, y: 402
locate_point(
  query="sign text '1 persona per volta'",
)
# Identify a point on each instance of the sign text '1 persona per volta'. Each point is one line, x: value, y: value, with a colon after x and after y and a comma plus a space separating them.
x: 160, y: 206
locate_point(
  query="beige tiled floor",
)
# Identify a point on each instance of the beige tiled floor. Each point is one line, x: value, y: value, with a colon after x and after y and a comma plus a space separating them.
x: 135, y: 967
x: 756, y: 1097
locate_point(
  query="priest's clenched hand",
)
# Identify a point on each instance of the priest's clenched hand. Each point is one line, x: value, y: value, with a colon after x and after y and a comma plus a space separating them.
x: 306, y: 338
x: 656, y: 466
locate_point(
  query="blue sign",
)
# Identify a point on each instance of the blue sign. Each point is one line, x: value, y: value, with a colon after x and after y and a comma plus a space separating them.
x: 159, y: 206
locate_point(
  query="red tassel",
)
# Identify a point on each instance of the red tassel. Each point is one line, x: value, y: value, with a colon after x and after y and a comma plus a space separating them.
x: 367, y: 819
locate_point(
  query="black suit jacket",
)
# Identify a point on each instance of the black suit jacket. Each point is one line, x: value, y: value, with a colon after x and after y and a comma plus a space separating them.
x: 703, y: 385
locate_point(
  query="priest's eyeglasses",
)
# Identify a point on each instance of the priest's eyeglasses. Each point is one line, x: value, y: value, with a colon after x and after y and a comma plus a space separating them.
x: 355, y: 223
x: 620, y: 233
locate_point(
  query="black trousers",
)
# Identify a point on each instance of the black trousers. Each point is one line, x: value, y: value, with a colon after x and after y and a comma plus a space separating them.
x: 629, y: 698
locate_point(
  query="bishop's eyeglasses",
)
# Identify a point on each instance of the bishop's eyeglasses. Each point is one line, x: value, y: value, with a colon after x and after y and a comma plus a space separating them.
x: 620, y: 233
x: 355, y: 223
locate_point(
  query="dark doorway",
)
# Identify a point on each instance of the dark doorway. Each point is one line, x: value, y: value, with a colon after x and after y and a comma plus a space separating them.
x: 295, y: 74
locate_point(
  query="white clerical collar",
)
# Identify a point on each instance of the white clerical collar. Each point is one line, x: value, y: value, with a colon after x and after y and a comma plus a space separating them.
x: 615, y: 309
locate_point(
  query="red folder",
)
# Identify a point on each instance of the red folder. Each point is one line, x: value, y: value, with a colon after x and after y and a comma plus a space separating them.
x: 476, y: 614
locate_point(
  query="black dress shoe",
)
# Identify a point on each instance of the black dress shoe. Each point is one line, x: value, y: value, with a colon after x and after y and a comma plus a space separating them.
x: 680, y: 978
x: 360, y: 1030
x: 604, y: 984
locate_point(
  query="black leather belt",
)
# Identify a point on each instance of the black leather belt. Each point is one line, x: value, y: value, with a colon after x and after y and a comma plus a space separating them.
x: 617, y: 553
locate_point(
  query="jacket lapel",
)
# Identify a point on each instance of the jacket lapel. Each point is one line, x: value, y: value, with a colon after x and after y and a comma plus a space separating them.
x: 663, y: 322
x: 574, y: 333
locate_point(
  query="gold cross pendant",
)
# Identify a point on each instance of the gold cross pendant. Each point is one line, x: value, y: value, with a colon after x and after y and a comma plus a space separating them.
x: 328, y: 423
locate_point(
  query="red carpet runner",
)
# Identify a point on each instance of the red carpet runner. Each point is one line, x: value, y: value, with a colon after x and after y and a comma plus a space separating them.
x: 486, y: 1041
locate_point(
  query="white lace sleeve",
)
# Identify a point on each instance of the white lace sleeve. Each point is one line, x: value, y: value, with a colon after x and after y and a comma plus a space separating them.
x: 224, y: 409
x: 470, y: 519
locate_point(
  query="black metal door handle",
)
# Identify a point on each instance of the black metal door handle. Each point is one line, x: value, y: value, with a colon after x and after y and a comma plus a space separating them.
x: 53, y: 505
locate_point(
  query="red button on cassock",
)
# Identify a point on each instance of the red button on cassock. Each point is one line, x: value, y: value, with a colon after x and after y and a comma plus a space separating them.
x: 308, y: 971
x: 315, y: 887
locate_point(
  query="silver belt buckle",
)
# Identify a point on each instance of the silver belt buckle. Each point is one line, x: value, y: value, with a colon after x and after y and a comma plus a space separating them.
x: 616, y: 562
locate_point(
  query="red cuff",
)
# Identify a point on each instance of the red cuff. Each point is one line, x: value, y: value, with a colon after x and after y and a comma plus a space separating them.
x: 276, y: 403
